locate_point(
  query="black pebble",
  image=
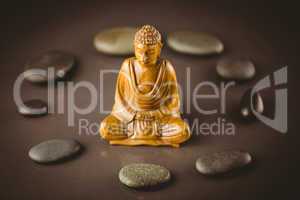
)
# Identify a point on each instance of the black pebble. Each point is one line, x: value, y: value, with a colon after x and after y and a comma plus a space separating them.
x: 55, y: 150
x: 245, y: 105
x: 222, y: 162
x: 41, y: 108
x: 62, y: 63
x: 238, y: 69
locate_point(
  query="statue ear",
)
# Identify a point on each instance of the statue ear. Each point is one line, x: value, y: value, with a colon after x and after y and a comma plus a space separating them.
x: 161, y: 44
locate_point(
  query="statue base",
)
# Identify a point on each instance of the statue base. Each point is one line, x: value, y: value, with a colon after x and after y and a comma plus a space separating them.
x: 146, y: 142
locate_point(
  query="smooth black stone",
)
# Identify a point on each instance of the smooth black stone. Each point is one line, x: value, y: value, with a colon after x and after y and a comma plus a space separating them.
x: 222, y: 162
x: 235, y: 69
x: 62, y: 63
x: 194, y: 43
x: 245, y: 105
x: 141, y: 175
x: 34, y: 107
x: 54, y: 150
x: 115, y: 41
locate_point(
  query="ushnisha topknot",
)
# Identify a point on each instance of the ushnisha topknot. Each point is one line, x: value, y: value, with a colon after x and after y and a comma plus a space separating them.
x: 147, y: 35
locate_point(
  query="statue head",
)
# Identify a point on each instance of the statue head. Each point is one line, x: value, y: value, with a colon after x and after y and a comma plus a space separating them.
x: 147, y: 45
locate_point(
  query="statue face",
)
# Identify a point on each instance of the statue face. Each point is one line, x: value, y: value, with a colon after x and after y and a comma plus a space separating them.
x: 147, y: 54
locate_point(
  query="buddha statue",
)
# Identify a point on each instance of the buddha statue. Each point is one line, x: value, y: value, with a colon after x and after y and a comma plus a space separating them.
x: 146, y: 107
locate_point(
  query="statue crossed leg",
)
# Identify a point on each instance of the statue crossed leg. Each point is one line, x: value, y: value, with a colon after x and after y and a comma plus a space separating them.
x: 170, y: 131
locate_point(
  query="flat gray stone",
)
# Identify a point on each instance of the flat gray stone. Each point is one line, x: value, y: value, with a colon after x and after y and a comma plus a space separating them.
x: 61, y: 62
x: 236, y: 69
x: 222, y: 162
x: 115, y: 41
x: 34, y: 107
x: 195, y: 43
x: 54, y: 150
x: 140, y: 175
x: 245, y: 105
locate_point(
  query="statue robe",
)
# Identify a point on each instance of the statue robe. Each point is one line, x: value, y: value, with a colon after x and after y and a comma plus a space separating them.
x: 162, y: 100
x: 135, y: 111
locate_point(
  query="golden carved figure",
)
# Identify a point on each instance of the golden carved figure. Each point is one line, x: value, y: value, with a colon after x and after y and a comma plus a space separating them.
x: 146, y: 108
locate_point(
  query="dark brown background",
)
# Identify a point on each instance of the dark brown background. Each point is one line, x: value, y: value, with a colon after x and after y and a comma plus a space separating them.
x: 266, y: 32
